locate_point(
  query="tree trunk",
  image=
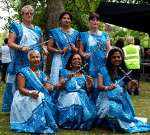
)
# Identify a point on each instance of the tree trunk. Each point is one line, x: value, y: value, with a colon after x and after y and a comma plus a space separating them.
x: 54, y: 9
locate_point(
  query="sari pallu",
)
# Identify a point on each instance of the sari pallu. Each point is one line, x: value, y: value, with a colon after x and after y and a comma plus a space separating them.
x: 61, y: 39
x: 33, y: 115
x: 75, y: 109
x: 25, y: 37
x: 115, y: 110
x: 95, y: 45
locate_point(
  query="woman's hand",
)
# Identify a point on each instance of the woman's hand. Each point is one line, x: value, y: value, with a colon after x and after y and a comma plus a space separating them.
x: 65, y: 50
x: 70, y: 76
x: 86, y: 55
x: 25, y: 49
x: 49, y: 86
x: 60, y: 85
x: 34, y: 94
x: 45, y: 51
x: 59, y: 51
x: 89, y: 82
x: 132, y: 85
x: 74, y: 48
x: 110, y: 87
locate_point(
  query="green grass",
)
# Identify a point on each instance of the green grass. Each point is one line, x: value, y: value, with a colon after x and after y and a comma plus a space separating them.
x: 141, y: 105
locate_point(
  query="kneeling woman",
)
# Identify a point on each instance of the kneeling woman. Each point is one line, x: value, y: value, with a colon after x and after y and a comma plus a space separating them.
x: 32, y: 108
x: 75, y: 109
x: 114, y: 107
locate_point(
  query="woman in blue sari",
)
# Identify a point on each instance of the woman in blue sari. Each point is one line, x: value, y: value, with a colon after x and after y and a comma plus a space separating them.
x: 93, y: 47
x: 114, y: 107
x: 32, y: 108
x: 75, y: 109
x: 62, y: 43
x: 23, y: 36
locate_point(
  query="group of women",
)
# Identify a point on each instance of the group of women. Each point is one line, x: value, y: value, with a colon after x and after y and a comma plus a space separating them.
x: 71, y: 97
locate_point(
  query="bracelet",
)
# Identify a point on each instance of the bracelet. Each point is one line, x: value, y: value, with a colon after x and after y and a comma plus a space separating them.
x: 52, y: 88
x: 20, y: 48
x: 106, y: 87
x: 30, y: 93
x: 56, y: 51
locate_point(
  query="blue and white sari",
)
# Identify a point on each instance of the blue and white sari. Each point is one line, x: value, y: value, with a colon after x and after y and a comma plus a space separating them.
x: 62, y: 40
x: 75, y: 109
x: 95, y: 45
x: 115, y: 110
x: 29, y: 37
x: 33, y: 115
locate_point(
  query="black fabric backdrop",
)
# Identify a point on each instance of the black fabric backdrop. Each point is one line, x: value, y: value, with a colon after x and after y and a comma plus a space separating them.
x: 132, y: 16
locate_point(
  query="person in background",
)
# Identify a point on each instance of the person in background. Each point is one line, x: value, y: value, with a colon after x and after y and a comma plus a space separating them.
x: 6, y: 59
x: 75, y: 109
x: 32, y: 108
x: 132, y: 60
x: 94, y: 45
x: 62, y: 43
x: 114, y: 107
x: 142, y: 55
x: 120, y: 43
x: 138, y: 43
x: 23, y: 36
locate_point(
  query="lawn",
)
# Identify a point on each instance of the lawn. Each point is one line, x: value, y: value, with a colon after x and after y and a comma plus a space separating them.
x: 141, y: 104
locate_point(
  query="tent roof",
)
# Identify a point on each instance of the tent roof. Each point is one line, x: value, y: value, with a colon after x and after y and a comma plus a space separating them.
x: 132, y: 16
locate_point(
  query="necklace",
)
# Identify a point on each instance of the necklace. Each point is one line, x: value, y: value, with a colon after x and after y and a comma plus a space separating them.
x: 28, y: 26
x: 96, y: 33
x: 100, y: 44
x: 36, y: 71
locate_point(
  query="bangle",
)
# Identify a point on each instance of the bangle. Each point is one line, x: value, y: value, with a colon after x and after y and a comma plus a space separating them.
x: 52, y: 88
x: 106, y: 87
x: 30, y: 93
x: 20, y: 48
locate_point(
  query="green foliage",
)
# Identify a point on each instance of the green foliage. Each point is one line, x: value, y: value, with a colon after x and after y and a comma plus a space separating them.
x: 2, y: 37
x: 39, y: 7
x: 80, y: 9
x: 117, y: 32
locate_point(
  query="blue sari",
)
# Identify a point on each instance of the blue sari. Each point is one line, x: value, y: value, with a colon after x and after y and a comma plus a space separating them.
x: 75, y: 109
x: 25, y: 37
x: 115, y: 110
x: 62, y: 40
x: 33, y: 115
x: 96, y: 46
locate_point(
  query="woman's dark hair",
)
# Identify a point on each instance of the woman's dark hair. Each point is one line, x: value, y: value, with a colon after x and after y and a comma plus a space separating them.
x: 109, y: 64
x: 136, y: 41
x: 94, y: 15
x: 120, y: 43
x: 6, y: 40
x: 70, y: 59
x: 65, y: 13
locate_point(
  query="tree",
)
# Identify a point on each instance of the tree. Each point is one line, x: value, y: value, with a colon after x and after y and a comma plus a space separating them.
x: 80, y: 9
x: 54, y: 9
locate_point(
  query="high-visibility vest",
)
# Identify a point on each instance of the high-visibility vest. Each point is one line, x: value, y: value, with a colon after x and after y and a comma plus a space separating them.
x: 132, y: 56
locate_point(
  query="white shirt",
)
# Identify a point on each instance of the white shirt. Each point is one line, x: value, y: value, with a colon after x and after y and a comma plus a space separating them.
x: 5, y: 54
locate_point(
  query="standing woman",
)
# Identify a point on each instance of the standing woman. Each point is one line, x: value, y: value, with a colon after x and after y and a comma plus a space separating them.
x: 62, y: 44
x: 23, y: 36
x: 94, y: 46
